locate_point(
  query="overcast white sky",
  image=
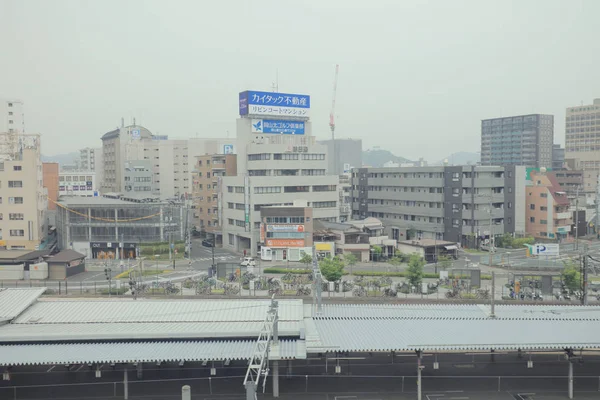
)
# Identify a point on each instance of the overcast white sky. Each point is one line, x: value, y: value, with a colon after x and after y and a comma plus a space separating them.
x: 416, y: 77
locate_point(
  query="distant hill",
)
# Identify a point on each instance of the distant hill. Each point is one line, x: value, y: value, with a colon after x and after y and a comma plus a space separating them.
x: 377, y: 157
x: 62, y: 159
x: 461, y: 158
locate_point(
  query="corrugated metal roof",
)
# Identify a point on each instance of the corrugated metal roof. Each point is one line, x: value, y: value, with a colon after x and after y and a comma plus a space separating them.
x: 131, y: 311
x: 127, y: 331
x: 98, y: 353
x: 457, y: 312
x: 438, y: 335
x: 14, y: 301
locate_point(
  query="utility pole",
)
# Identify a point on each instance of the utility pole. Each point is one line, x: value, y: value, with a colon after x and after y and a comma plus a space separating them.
x: 492, y: 242
x: 493, y: 302
x: 584, y: 276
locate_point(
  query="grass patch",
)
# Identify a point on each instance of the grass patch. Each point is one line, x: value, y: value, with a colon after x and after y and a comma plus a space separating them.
x: 289, y: 292
x: 147, y: 272
x: 286, y: 270
x: 217, y: 291
x: 468, y: 296
x: 114, y: 291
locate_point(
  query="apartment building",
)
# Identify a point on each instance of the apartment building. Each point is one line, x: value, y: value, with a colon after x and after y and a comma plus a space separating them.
x: 208, y: 172
x: 343, y: 153
x: 449, y: 203
x: 90, y: 159
x: 171, y: 159
x: 521, y: 140
x: 23, y: 199
x: 279, y: 162
x: 547, y: 214
x: 582, y: 138
x: 286, y: 232
x: 558, y: 157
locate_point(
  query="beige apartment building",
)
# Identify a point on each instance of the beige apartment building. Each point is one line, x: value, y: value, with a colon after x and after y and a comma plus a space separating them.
x: 206, y: 183
x: 547, y: 214
x: 582, y: 132
x: 23, y: 199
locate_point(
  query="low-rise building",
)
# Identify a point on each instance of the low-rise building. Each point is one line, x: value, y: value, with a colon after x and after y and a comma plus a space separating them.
x: 547, y: 207
x: 286, y: 232
x: 77, y: 183
x: 105, y: 227
x: 354, y: 237
x: 429, y: 249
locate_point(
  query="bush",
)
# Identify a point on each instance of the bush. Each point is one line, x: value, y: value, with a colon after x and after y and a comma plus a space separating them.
x: 427, y: 275
x: 286, y: 270
x: 114, y: 291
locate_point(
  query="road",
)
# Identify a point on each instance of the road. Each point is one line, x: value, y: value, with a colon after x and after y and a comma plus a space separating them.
x: 380, y: 376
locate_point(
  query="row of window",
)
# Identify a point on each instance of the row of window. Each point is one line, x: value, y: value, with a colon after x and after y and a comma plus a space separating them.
x: 13, y: 200
x: 285, y: 172
x: 285, y: 220
x: 69, y: 178
x: 13, y: 216
x: 294, y: 189
x: 286, y: 156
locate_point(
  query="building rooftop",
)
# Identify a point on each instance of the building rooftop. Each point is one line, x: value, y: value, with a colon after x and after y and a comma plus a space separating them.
x: 22, y: 255
x: 65, y: 256
x: 426, y: 243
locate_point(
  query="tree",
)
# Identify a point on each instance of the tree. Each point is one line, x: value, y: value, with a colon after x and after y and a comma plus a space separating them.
x: 306, y: 260
x: 444, y: 262
x: 411, y: 233
x: 332, y: 269
x: 397, y: 260
x: 414, y: 272
x: 571, y: 276
x: 350, y: 260
x: 376, y: 250
x: 505, y: 241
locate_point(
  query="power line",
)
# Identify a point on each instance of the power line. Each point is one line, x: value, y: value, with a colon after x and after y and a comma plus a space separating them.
x: 116, y: 220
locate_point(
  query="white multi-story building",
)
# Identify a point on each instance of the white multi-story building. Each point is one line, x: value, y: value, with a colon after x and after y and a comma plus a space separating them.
x: 77, y: 183
x: 23, y: 198
x: 171, y: 159
x: 12, y: 118
x: 279, y: 162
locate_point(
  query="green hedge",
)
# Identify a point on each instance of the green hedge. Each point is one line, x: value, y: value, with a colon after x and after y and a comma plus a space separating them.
x: 286, y: 270
x: 403, y: 274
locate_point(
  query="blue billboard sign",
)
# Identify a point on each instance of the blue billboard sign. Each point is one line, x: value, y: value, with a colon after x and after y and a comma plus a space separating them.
x: 277, y: 126
x: 271, y: 103
x: 228, y: 149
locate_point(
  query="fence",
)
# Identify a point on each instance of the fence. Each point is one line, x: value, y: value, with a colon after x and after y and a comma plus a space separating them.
x: 298, y: 384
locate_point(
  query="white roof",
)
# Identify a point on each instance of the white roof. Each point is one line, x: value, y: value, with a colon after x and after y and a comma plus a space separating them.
x: 14, y: 301
x: 119, y: 352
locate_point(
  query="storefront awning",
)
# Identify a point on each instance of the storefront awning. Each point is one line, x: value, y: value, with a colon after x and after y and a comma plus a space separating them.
x: 451, y: 247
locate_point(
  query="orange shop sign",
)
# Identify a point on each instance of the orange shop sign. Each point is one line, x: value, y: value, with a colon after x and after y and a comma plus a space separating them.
x: 285, y: 243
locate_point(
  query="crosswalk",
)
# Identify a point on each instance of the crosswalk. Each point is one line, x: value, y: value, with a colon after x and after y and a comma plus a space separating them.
x: 221, y: 258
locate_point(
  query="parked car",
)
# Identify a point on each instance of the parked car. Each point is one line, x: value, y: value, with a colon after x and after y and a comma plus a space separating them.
x: 248, y: 262
x: 207, y: 243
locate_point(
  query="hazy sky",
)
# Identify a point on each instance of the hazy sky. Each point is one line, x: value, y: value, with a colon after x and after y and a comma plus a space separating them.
x: 416, y: 77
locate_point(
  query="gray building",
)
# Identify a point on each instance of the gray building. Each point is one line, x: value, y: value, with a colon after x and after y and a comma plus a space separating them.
x: 522, y: 140
x: 446, y: 203
x: 138, y: 177
x: 558, y: 157
x: 343, y: 153
x: 95, y: 226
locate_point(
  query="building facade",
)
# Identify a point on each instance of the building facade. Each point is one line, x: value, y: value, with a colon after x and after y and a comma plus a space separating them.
x: 139, y: 177
x: 94, y: 226
x: 77, y: 183
x: 279, y: 162
x: 547, y: 214
x: 12, y: 117
x: 343, y: 154
x: 521, y: 140
x: 449, y: 203
x: 582, y: 138
x: 23, y: 199
x: 208, y: 173
x: 171, y: 159
x: 50, y: 172
x: 286, y: 232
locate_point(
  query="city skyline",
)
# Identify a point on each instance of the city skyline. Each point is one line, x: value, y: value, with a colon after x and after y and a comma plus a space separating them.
x: 450, y: 78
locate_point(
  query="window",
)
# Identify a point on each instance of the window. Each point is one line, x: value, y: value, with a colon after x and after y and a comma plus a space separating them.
x: 285, y: 156
x: 543, y: 208
x: 230, y: 236
x: 61, y: 178
x: 257, y: 225
x: 532, y: 206
x: 15, y: 184
x: 17, y: 232
x: 295, y: 189
x: 267, y: 189
x: 230, y: 221
x: 17, y: 168
x: 239, y: 189
x: 313, y: 156
x: 324, y: 204
x: 16, y: 217
x: 324, y: 188
x: 88, y: 178
x: 510, y: 204
x: 531, y: 219
x: 285, y: 172
x: 15, y: 200
x: 257, y: 157
x: 68, y: 178
x: 543, y: 221
x: 544, y: 195
x: 312, y: 172
x: 230, y: 206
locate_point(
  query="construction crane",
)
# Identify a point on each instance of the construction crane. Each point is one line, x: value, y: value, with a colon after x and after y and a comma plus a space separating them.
x: 332, y: 120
